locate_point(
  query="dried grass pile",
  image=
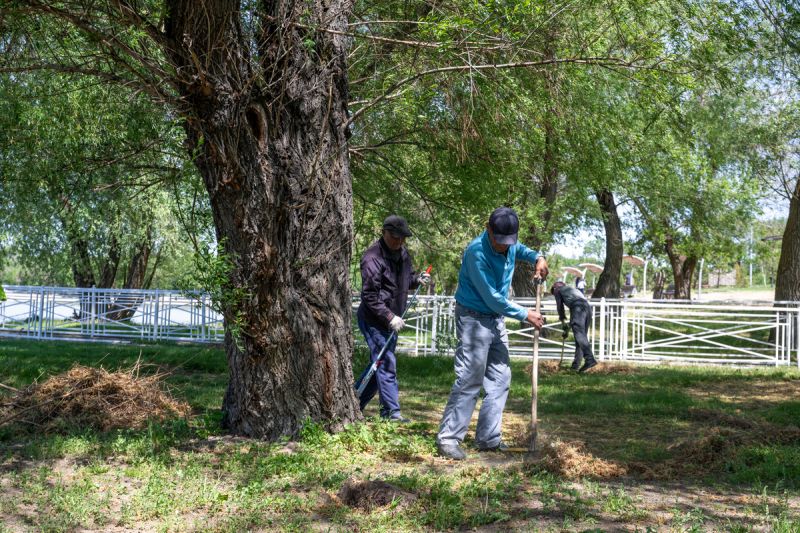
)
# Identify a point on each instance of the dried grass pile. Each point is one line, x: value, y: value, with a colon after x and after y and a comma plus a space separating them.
x: 571, y: 460
x: 368, y: 495
x: 549, y: 366
x: 95, y: 398
x: 715, y: 445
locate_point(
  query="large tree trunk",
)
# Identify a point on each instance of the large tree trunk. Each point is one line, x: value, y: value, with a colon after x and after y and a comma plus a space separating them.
x: 608, y: 283
x: 80, y: 259
x: 126, y: 304
x: 682, y: 270
x: 137, y: 269
x: 270, y: 143
x: 787, y: 285
x: 108, y: 272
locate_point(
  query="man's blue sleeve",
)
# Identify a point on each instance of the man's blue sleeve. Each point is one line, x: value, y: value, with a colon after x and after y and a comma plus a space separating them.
x: 526, y: 254
x: 479, y: 274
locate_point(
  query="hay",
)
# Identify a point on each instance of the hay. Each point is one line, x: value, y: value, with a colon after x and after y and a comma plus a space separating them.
x: 92, y: 397
x: 368, y: 495
x: 548, y: 367
x: 571, y: 460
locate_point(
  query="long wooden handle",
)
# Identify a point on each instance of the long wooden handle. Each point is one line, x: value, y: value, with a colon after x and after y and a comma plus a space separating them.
x: 535, y: 370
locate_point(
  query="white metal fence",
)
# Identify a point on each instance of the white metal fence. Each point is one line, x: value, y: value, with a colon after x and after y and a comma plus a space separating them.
x: 57, y: 312
x: 625, y: 330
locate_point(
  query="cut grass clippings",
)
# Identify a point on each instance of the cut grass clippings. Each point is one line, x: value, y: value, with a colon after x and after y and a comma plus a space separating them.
x: 85, y: 397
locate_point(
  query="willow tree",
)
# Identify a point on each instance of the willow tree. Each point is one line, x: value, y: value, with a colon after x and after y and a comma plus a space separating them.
x: 782, y: 47
x: 85, y: 167
x: 261, y: 91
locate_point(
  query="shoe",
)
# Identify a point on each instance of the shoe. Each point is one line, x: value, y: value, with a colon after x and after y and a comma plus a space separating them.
x: 501, y: 447
x: 396, y: 417
x: 576, y: 365
x: 451, y: 451
x: 590, y: 363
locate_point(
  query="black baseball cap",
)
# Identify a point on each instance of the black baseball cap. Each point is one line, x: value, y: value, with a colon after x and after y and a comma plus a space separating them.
x: 504, y: 224
x: 397, y: 226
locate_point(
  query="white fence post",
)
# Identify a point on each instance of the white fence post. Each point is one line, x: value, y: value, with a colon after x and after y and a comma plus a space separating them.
x: 602, y: 329
x: 40, y: 324
x: 156, y: 298
x: 434, y: 325
x: 93, y: 313
x: 777, y: 336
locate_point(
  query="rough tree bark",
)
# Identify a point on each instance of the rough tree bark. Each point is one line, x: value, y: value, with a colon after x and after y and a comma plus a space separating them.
x: 108, y: 271
x: 126, y: 304
x: 270, y: 142
x: 682, y: 270
x: 608, y: 282
x: 787, y: 285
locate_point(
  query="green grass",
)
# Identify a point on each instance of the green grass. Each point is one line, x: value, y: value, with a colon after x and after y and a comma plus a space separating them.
x: 187, y: 475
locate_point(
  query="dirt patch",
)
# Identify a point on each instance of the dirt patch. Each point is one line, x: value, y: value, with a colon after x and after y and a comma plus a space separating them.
x: 549, y: 367
x: 749, y: 392
x: 92, y: 397
x: 368, y: 495
x: 720, y: 418
x: 571, y: 460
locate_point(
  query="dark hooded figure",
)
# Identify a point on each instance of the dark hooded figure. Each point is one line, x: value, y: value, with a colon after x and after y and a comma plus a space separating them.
x: 580, y: 317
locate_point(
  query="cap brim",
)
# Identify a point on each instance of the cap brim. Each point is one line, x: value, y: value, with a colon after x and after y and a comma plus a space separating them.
x: 505, y: 239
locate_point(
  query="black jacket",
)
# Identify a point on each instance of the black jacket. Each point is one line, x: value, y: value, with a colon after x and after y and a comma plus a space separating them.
x: 386, y: 277
x: 569, y: 296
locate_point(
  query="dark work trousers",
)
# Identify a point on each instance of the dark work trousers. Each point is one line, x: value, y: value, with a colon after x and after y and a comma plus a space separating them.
x: 384, y: 381
x: 580, y: 318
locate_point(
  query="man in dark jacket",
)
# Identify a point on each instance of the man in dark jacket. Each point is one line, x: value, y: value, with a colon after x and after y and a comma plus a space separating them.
x: 580, y: 317
x: 386, y: 277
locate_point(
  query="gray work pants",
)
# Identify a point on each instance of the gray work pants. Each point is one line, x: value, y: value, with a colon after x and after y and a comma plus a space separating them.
x: 580, y: 318
x: 481, y: 361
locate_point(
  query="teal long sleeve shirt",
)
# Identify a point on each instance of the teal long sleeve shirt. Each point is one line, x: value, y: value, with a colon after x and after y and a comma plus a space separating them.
x: 485, y: 277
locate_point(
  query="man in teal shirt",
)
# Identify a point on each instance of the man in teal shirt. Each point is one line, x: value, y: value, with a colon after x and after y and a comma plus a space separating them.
x: 481, y: 358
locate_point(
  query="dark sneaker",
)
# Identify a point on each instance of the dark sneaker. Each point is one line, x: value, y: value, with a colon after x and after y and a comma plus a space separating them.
x: 590, y: 363
x: 400, y: 420
x: 501, y: 447
x: 576, y: 365
x: 451, y: 451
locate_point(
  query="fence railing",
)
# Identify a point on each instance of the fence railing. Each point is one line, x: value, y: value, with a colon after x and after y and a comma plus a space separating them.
x: 624, y: 330
x: 58, y: 312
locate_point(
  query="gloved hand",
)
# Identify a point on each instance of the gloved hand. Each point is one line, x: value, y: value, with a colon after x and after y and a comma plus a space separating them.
x: 397, y: 323
x: 424, y: 279
x: 564, y: 330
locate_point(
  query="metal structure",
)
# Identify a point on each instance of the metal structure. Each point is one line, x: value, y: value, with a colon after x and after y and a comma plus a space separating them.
x: 70, y: 313
x: 631, y: 330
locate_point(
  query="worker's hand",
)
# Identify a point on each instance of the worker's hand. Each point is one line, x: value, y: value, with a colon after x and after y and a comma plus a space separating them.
x: 541, y: 271
x: 397, y: 323
x: 564, y: 330
x: 535, y: 319
x: 424, y: 279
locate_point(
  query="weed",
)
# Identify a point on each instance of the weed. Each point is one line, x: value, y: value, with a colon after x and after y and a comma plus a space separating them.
x: 620, y: 504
